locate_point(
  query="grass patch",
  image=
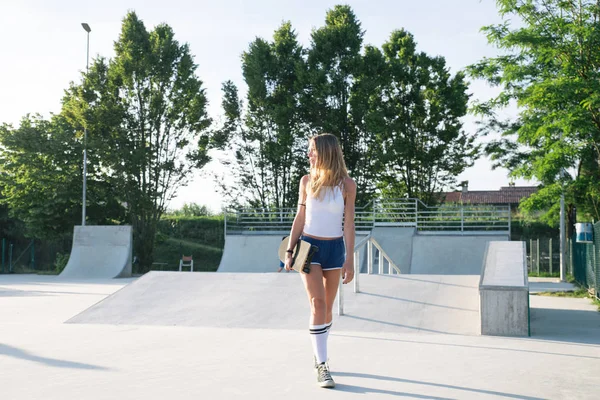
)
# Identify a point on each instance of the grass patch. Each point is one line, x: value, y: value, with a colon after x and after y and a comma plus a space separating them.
x: 569, y: 278
x: 579, y: 293
x: 544, y: 275
x: 167, y: 254
x: 23, y: 269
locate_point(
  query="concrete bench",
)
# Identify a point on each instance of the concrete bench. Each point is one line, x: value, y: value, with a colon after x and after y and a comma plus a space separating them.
x: 504, y: 290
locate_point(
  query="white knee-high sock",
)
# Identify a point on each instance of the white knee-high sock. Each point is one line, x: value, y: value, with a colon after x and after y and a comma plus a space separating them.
x: 318, y: 338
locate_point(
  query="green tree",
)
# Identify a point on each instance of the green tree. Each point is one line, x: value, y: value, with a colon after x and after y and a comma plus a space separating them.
x: 415, y: 113
x: 146, y: 109
x: 334, y: 62
x: 550, y: 68
x: 41, y: 178
x: 9, y: 226
x: 268, y: 139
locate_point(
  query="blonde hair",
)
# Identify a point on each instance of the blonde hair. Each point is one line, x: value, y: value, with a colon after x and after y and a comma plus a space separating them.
x: 330, y: 169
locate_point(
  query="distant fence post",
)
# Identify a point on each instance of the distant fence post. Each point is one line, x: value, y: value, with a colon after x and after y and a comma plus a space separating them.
x: 509, y: 223
x: 32, y: 254
x: 550, y: 255
x: 3, y: 252
x: 530, y: 255
x: 10, y: 248
x: 416, y: 214
x: 537, y: 255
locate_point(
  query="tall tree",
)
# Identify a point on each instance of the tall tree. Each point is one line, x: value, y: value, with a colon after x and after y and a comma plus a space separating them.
x: 334, y: 61
x: 415, y: 112
x: 10, y: 227
x: 268, y: 138
x: 147, y: 110
x: 550, y: 68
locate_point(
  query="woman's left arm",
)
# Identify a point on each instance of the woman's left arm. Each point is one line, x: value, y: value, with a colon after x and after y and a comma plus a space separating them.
x: 349, y: 231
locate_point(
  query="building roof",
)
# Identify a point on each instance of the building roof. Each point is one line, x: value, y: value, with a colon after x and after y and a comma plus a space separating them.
x: 506, y: 195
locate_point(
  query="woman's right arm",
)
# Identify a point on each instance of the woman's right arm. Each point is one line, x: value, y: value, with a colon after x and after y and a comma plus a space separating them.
x: 298, y: 225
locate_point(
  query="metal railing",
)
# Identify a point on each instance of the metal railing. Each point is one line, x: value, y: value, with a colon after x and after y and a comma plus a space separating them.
x: 401, y: 213
x: 382, y: 256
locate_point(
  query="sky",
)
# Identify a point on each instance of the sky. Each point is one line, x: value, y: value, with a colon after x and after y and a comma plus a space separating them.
x: 43, y: 48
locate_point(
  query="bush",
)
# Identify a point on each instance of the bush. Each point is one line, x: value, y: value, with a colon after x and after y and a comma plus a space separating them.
x: 60, y: 262
x: 525, y: 230
x: 168, y: 254
x: 205, y: 230
x: 160, y: 238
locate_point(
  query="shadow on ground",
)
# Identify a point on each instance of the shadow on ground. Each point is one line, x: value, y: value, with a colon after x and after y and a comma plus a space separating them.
x: 572, y: 326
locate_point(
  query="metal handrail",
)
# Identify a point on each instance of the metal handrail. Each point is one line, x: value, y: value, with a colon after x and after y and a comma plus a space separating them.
x: 403, y: 212
x: 369, y: 241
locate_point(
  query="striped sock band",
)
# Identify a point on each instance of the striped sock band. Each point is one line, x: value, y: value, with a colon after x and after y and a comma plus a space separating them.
x: 318, y: 338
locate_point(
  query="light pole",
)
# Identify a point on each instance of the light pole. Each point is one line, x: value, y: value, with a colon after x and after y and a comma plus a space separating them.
x: 88, y: 30
x: 563, y: 246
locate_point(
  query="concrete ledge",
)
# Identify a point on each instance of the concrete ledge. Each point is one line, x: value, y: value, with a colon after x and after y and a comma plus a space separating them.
x: 504, y: 290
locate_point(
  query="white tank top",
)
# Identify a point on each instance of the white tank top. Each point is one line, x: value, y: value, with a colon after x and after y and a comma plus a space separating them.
x: 324, y: 217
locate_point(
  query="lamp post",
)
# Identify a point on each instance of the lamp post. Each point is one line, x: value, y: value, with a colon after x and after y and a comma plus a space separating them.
x: 563, y: 232
x: 563, y: 246
x: 88, y: 30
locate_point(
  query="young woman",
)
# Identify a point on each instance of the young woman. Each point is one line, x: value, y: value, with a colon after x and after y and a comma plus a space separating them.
x: 326, y: 201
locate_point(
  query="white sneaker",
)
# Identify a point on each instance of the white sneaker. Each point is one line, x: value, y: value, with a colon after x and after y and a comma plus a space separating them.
x: 324, y: 378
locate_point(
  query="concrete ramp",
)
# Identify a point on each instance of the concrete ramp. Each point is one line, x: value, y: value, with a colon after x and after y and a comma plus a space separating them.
x: 423, y: 253
x: 253, y: 253
x: 250, y: 253
x: 100, y: 252
x: 450, y: 254
x: 400, y: 303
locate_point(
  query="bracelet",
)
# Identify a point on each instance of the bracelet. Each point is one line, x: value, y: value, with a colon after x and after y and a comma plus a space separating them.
x: 290, y: 251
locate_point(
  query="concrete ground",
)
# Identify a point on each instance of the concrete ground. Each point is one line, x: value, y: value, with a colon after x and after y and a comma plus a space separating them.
x: 404, y: 336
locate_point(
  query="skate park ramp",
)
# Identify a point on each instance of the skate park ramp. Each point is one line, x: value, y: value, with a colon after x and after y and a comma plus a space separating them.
x: 450, y: 254
x: 399, y: 303
x: 423, y: 253
x: 250, y: 253
x: 100, y: 252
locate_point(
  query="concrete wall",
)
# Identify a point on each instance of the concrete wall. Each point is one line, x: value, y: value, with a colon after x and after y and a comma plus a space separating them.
x: 450, y: 254
x: 504, y: 312
x: 414, y: 254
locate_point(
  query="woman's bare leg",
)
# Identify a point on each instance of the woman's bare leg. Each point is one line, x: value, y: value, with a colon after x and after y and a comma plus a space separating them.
x: 315, y: 290
x: 331, y: 282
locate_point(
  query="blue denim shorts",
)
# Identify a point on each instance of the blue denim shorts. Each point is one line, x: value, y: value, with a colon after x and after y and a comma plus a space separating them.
x: 331, y: 254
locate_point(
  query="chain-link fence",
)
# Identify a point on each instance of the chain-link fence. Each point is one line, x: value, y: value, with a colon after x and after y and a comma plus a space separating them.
x: 22, y: 255
x: 584, y: 259
x: 17, y: 254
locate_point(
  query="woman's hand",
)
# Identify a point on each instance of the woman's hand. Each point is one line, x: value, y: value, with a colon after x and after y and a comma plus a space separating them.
x: 348, y: 271
x: 288, y: 262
